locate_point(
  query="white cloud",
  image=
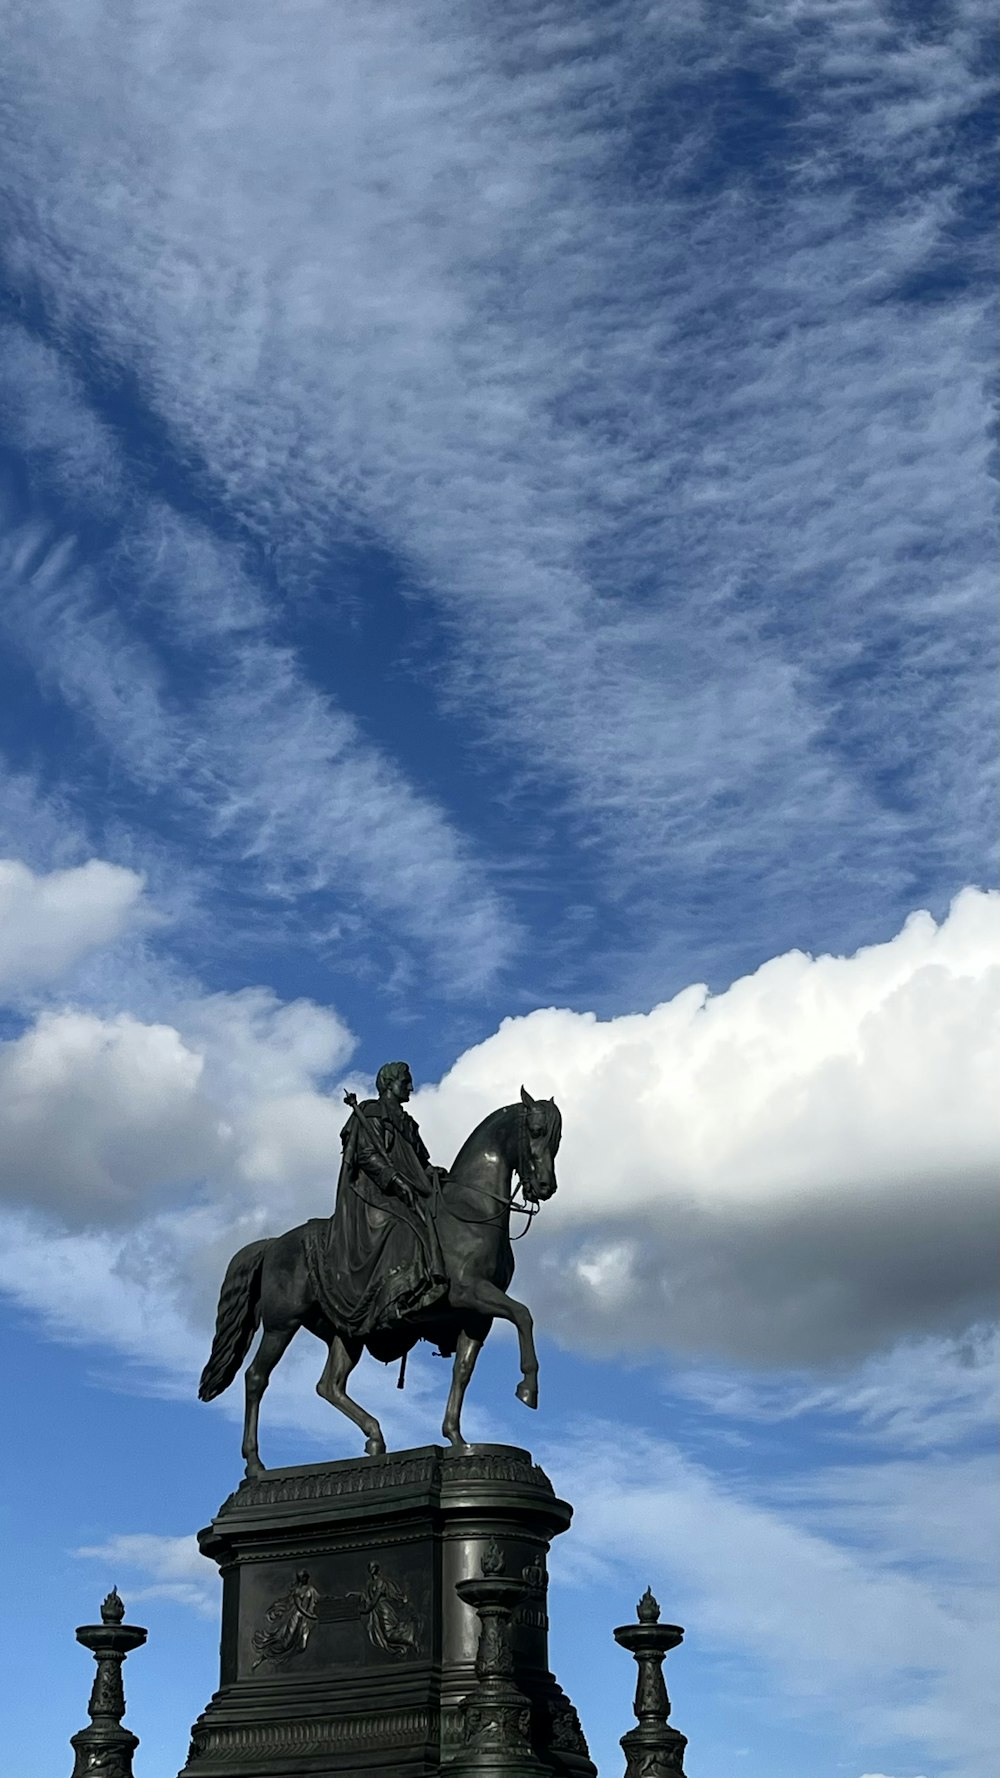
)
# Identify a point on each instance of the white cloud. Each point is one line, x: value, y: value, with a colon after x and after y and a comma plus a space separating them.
x: 176, y: 1568
x: 255, y: 1043
x: 97, y: 1114
x: 796, y: 1170
x: 266, y: 1060
x: 799, y: 1167
x: 99, y: 1117
x: 48, y: 922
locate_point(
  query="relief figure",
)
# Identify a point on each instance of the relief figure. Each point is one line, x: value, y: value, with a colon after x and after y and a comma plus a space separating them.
x: 289, y: 1623
x: 391, y: 1619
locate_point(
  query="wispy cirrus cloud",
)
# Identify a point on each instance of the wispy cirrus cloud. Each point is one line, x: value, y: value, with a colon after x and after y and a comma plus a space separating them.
x: 277, y: 778
x: 904, y: 1626
x: 173, y: 1568
x: 684, y: 447
x: 920, y: 1396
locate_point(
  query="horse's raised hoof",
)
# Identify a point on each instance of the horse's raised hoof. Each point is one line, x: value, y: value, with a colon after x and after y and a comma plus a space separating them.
x: 527, y: 1391
x: 374, y: 1447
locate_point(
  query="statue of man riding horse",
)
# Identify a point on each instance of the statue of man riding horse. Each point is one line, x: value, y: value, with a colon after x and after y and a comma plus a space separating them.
x: 412, y: 1252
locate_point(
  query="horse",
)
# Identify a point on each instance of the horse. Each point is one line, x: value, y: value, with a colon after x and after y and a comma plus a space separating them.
x: 271, y: 1282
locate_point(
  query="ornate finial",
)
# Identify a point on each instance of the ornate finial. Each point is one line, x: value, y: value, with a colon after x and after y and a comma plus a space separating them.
x: 105, y: 1745
x: 654, y: 1748
x: 113, y: 1608
x: 491, y: 1561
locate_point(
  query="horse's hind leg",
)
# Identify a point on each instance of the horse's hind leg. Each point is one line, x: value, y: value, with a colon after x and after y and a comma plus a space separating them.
x: 273, y: 1344
x: 343, y: 1356
x: 467, y: 1350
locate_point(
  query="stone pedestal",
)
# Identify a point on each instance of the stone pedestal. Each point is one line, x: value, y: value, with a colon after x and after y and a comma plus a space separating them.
x: 345, y: 1645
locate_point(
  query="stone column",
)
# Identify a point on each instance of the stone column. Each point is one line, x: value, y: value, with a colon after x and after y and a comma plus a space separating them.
x: 652, y: 1749
x: 104, y: 1748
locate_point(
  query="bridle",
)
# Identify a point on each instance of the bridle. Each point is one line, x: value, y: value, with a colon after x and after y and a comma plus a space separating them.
x: 527, y: 1177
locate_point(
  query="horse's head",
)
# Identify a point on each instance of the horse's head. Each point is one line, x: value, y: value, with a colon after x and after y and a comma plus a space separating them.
x: 541, y: 1134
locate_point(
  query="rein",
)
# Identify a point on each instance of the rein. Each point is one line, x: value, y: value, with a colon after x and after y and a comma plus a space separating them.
x: 521, y: 1167
x: 528, y: 1210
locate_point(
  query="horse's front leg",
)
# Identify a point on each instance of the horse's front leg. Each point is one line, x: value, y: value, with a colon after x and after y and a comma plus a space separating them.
x: 489, y: 1299
x: 467, y: 1350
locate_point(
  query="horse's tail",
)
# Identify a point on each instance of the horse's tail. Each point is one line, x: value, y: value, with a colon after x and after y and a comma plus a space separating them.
x: 237, y: 1320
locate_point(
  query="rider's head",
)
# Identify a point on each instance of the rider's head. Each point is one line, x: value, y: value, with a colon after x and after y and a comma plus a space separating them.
x: 395, y: 1078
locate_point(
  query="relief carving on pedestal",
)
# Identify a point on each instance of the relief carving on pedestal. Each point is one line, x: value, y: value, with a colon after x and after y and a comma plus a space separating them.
x: 392, y: 1624
x: 288, y: 1623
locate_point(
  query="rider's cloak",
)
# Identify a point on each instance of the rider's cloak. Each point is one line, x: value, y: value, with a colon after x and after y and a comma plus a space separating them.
x: 376, y: 1263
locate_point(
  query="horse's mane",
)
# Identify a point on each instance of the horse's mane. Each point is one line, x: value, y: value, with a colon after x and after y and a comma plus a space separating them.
x: 553, y: 1126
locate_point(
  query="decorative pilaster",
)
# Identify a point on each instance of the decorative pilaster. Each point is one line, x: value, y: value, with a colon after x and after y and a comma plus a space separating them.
x: 496, y: 1715
x: 653, y: 1749
x: 104, y: 1749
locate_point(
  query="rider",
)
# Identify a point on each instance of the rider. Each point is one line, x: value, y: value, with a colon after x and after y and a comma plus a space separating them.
x: 396, y: 1161
x: 383, y: 1239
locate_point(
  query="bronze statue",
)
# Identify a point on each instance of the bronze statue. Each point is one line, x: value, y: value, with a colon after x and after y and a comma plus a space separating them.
x: 411, y: 1252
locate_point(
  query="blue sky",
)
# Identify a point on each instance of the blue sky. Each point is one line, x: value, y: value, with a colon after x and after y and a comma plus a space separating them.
x: 496, y: 540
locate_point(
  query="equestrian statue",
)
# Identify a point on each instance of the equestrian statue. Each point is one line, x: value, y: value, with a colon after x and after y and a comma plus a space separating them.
x: 412, y: 1252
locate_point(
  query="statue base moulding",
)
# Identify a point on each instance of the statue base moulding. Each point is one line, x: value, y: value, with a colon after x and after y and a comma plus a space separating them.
x: 345, y: 1646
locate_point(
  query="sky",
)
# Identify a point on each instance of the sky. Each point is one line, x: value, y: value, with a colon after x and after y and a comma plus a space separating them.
x: 496, y: 544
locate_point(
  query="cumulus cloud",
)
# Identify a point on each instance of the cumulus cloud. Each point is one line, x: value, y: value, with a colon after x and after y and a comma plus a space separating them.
x: 49, y: 921
x: 97, y: 1113
x: 99, y: 1117
x: 265, y: 1059
x: 799, y: 1168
